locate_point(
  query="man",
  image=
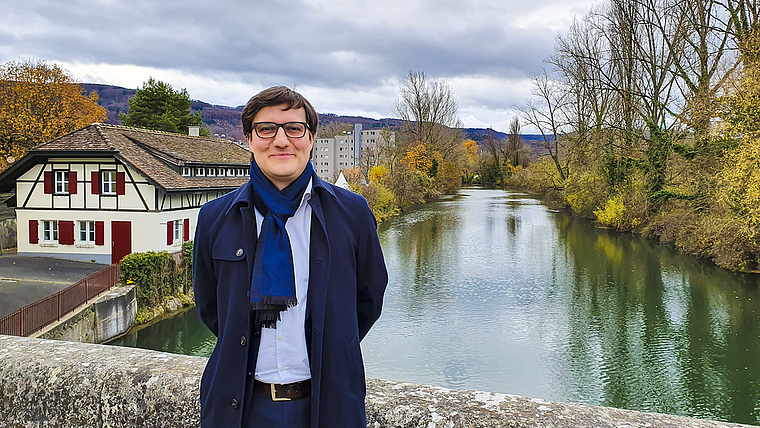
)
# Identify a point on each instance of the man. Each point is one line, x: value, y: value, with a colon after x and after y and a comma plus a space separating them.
x: 289, y: 275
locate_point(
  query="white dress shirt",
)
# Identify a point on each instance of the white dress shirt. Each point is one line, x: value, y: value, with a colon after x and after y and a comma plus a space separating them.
x: 283, y: 357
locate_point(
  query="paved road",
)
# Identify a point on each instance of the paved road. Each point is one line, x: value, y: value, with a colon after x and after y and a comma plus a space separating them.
x: 24, y: 280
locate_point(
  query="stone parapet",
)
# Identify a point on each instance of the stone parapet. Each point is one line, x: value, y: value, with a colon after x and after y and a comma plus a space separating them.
x: 48, y: 383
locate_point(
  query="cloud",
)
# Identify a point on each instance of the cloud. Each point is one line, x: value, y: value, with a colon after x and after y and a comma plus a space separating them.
x: 346, y: 53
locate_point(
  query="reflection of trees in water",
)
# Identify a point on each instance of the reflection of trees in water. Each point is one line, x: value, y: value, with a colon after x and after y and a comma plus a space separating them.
x: 684, y: 344
x: 427, y: 251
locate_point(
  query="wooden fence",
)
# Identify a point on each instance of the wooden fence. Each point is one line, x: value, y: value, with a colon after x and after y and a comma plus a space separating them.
x: 33, y: 317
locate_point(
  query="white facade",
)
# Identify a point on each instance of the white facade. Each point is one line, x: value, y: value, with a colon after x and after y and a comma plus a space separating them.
x: 105, y: 193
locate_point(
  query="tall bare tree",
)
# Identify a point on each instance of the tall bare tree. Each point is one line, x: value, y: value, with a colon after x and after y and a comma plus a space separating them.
x: 429, y: 111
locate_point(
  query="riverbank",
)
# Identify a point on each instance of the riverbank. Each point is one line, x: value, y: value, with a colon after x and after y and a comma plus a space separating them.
x: 705, y: 228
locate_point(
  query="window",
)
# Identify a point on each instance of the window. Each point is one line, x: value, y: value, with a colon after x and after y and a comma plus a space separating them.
x: 87, y: 231
x: 230, y: 172
x: 178, y: 228
x: 50, y: 230
x: 186, y: 172
x: 211, y: 172
x: 108, y: 182
x: 61, y: 182
x: 220, y: 172
x: 200, y: 172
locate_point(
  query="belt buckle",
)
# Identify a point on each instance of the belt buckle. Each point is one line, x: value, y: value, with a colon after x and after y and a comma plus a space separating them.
x: 274, y: 394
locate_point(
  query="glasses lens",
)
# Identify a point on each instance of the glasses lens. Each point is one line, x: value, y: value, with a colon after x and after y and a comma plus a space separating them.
x: 294, y: 129
x: 266, y: 129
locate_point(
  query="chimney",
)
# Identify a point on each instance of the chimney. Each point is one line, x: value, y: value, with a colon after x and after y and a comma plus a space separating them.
x: 194, y: 131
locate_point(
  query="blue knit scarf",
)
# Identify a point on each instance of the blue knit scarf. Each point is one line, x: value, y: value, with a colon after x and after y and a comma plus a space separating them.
x: 273, y: 288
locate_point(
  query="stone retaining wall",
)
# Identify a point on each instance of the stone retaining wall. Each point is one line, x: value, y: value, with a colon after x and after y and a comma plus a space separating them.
x: 49, y: 383
x: 8, y: 233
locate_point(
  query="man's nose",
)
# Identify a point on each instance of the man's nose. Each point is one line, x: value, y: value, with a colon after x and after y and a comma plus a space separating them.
x: 280, y: 139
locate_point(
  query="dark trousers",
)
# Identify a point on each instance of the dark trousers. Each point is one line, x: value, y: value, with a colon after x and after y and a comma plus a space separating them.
x: 262, y: 412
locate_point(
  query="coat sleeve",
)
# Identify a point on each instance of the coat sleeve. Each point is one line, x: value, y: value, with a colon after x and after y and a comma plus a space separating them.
x: 204, y: 278
x: 371, y: 274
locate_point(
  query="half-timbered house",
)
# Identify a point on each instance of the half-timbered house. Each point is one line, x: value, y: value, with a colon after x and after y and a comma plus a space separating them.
x: 105, y: 191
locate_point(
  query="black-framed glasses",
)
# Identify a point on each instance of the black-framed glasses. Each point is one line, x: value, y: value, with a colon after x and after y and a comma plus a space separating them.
x: 269, y: 129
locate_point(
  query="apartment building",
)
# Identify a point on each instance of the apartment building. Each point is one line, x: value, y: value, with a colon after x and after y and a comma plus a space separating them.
x: 333, y: 155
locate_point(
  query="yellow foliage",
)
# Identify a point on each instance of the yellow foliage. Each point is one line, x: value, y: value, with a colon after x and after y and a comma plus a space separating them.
x: 739, y: 180
x: 615, y: 214
x: 376, y: 173
x: 449, y: 177
x: 40, y: 102
x: 417, y: 158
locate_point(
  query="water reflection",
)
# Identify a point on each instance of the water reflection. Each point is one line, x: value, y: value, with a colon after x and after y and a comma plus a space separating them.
x: 493, y: 291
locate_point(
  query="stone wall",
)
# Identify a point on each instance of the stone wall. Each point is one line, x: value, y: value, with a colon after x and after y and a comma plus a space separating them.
x: 8, y: 233
x: 50, y: 383
x: 110, y: 315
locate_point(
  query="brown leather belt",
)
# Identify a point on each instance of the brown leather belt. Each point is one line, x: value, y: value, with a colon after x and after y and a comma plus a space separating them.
x: 285, y: 392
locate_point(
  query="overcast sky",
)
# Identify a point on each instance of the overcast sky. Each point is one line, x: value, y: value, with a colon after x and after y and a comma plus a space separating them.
x: 346, y: 57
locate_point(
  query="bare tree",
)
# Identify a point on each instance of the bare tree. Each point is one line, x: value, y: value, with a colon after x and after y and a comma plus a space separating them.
x: 330, y: 129
x: 429, y: 111
x: 545, y: 113
x: 514, y: 151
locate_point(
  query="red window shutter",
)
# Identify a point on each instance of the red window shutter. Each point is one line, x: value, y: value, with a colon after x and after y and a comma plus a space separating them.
x: 169, y: 232
x: 120, y: 185
x: 99, y: 236
x: 95, y: 180
x: 65, y: 232
x: 34, y: 232
x: 48, y: 182
x: 72, y: 182
x: 187, y: 230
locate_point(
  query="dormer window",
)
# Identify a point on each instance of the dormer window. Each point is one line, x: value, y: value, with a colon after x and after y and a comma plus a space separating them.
x: 211, y: 172
x: 220, y: 172
x: 200, y: 172
x: 186, y: 171
x: 240, y: 172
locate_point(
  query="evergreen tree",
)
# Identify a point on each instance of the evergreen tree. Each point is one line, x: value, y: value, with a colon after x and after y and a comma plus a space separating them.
x: 158, y: 106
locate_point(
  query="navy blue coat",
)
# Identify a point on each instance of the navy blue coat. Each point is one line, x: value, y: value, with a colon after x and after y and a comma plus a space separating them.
x: 347, y: 280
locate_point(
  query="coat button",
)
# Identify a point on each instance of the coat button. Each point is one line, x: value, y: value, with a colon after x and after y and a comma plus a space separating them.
x: 239, y: 252
x: 235, y: 404
x: 242, y: 341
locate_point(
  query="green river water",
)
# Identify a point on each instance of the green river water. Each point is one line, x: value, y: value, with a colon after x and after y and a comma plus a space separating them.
x: 493, y: 290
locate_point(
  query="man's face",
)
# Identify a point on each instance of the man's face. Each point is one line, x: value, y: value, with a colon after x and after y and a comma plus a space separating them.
x: 281, y: 159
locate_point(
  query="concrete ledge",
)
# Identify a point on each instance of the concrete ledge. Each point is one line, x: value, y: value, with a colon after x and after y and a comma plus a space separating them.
x: 49, y: 383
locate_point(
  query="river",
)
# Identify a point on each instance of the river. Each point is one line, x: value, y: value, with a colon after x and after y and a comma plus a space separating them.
x: 493, y: 290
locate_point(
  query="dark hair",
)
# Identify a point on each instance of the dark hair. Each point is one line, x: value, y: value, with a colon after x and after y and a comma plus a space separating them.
x: 275, y: 96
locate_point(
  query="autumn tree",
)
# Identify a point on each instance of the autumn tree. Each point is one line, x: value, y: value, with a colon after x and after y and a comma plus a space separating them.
x: 158, y: 106
x: 40, y: 101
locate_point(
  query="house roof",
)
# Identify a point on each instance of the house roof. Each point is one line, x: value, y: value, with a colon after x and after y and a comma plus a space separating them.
x: 157, y: 155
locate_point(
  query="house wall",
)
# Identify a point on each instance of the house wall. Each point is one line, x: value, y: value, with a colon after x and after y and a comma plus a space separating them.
x: 151, y: 212
x: 148, y: 232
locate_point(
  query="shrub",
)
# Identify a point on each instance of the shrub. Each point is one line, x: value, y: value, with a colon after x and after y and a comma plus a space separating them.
x: 156, y: 276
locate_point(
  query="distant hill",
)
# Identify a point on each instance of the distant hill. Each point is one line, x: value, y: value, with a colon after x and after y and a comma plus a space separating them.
x: 224, y: 121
